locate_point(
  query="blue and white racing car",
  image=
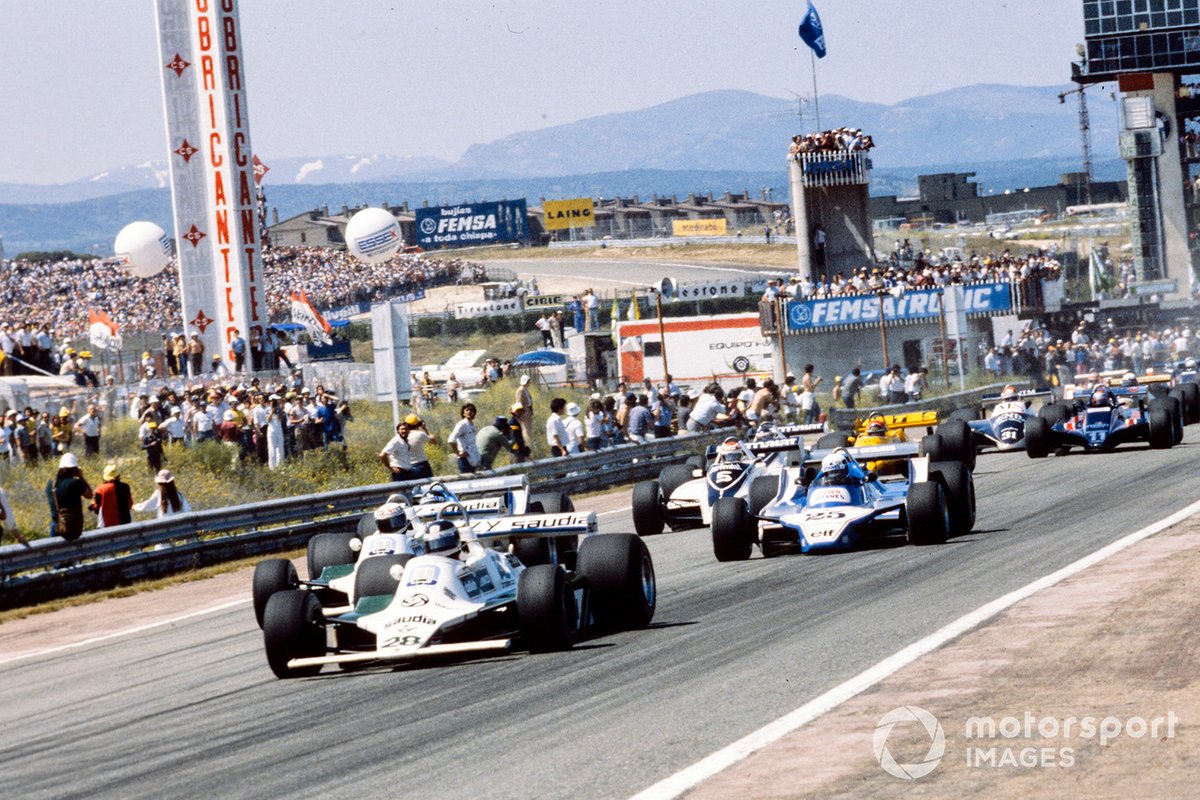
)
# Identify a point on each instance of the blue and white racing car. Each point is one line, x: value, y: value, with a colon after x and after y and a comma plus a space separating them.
x: 1004, y: 426
x: 684, y: 494
x: 833, y: 502
x: 1105, y: 417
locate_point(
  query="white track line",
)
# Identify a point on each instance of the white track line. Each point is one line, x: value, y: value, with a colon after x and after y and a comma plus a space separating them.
x: 690, y: 777
x: 126, y: 632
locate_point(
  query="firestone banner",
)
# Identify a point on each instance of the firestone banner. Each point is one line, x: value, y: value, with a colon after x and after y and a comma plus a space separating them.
x: 202, y: 62
x: 473, y: 224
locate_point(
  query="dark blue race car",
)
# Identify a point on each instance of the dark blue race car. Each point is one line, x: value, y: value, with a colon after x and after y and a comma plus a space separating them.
x: 1104, y: 418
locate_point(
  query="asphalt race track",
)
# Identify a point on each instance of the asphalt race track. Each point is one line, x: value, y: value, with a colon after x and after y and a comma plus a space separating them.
x: 191, y: 710
x: 636, y: 273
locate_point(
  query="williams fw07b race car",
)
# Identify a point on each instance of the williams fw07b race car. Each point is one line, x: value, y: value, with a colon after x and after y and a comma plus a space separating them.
x: 1104, y: 418
x: 834, y: 502
x: 1004, y: 425
x: 684, y: 494
x: 465, y: 592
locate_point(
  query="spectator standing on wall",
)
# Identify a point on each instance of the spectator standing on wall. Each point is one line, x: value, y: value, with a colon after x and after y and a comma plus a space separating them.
x: 238, y: 347
x: 852, y: 388
x: 195, y: 349
x: 592, y: 305
x: 809, y: 382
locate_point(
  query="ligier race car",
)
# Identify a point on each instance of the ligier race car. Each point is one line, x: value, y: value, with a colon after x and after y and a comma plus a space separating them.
x: 1104, y: 418
x: 466, y: 593
x: 683, y: 495
x: 396, y: 529
x: 1004, y: 427
x: 834, y: 501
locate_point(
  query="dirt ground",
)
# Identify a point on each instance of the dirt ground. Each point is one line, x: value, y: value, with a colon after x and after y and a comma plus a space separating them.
x: 1117, y: 643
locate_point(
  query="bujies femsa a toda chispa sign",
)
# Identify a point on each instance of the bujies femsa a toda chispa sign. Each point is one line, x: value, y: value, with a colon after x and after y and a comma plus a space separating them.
x: 912, y: 305
x: 472, y: 224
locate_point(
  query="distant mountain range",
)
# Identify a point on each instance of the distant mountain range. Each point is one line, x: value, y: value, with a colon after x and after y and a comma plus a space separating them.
x: 715, y: 141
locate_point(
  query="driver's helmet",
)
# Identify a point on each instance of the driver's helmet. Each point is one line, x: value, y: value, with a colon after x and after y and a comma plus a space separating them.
x: 1189, y: 363
x: 442, y: 539
x: 1009, y: 394
x: 1099, y: 397
x: 765, y: 430
x: 876, y: 427
x: 730, y: 450
x: 437, y: 493
x: 391, y: 518
x: 835, y: 467
x: 1129, y: 379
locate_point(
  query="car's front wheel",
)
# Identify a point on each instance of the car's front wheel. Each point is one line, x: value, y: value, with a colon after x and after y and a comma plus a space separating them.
x: 731, y: 529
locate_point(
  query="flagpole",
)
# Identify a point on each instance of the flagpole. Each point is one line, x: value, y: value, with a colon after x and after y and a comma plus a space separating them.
x: 816, y: 103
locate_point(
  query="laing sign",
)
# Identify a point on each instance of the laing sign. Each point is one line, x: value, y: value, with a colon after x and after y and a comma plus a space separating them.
x: 473, y: 224
x: 917, y: 304
x: 212, y: 169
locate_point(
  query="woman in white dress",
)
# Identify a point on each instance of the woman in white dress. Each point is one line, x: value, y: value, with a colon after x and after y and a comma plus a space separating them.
x: 166, y: 500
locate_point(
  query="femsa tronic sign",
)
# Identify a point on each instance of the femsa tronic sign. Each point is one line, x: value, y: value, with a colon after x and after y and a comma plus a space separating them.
x: 473, y: 224
x: 918, y: 304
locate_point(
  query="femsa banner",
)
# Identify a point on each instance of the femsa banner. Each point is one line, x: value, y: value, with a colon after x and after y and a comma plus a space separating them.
x: 563, y: 214
x: 917, y: 304
x: 474, y: 224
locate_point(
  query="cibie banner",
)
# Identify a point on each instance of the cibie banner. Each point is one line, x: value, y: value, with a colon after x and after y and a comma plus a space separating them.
x: 916, y: 304
x: 698, y: 227
x: 563, y: 214
x: 473, y: 224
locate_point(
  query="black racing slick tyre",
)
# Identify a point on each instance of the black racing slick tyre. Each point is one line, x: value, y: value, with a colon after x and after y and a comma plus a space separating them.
x: 958, y: 438
x: 271, y: 576
x: 762, y: 492
x: 672, y: 477
x: 619, y: 574
x: 647, y: 509
x: 1177, y: 412
x: 329, y: 550
x: 1162, y: 426
x: 695, y: 462
x: 293, y: 627
x: 960, y: 493
x: 374, y: 576
x: 927, y: 514
x: 1038, y: 442
x: 537, y: 551
x: 833, y: 440
x: 366, y: 525
x: 546, y: 608
x: 1192, y: 391
x: 1054, y: 413
x: 933, y: 447
x: 731, y: 529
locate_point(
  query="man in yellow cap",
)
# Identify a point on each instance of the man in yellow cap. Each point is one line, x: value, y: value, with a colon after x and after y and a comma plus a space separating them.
x: 152, y: 443
x: 113, y: 500
x: 62, y: 430
x: 418, y: 437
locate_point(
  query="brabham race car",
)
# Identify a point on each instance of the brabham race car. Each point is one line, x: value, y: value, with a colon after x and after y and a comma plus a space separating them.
x: 466, y: 593
x: 394, y: 529
x: 1105, y: 417
x: 1004, y: 427
x: 841, y: 503
x: 683, y: 495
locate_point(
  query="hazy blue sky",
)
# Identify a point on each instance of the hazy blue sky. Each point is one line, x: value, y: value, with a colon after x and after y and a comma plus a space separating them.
x: 80, y: 93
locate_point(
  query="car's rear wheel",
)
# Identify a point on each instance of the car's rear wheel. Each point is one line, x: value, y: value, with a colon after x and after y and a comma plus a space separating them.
x: 832, y: 440
x: 960, y: 493
x: 546, y: 608
x: 619, y: 573
x: 1038, y: 443
x: 1162, y: 426
x: 537, y: 551
x: 927, y: 514
x: 1054, y: 413
x: 647, y: 509
x: 763, y: 491
x: 965, y: 414
x: 731, y: 529
x: 1192, y: 390
x: 1176, y: 405
x: 933, y: 447
x: 959, y: 441
x: 271, y: 576
x: 293, y: 627
x: 329, y: 550
x: 695, y: 462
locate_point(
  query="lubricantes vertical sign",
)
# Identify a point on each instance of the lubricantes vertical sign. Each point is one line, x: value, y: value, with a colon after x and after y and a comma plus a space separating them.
x: 212, y: 169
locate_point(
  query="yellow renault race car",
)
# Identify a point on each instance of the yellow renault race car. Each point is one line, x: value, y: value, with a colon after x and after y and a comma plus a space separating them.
x: 950, y: 439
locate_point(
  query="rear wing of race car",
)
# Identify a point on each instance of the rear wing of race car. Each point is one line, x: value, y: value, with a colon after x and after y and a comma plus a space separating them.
x: 1130, y: 391
x: 800, y: 430
x: 915, y: 419
x: 875, y: 452
x: 463, y: 488
x: 775, y: 445
x: 1024, y: 394
x: 533, y: 526
x: 479, y: 505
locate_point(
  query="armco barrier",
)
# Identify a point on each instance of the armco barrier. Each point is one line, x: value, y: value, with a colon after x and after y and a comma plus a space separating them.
x: 843, y: 418
x: 103, y: 559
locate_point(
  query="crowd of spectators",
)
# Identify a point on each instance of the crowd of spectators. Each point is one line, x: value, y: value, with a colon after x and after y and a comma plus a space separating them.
x: 830, y: 141
x: 57, y: 294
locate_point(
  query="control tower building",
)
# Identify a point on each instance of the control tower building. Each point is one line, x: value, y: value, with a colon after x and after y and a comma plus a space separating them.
x: 831, y: 207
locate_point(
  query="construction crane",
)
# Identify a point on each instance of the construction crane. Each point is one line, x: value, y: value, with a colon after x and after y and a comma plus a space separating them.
x: 1085, y: 137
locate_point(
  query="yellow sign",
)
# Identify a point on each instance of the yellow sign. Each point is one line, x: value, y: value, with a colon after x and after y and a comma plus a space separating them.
x: 698, y: 227
x: 563, y: 214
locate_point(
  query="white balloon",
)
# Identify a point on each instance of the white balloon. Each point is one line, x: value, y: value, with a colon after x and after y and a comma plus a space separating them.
x: 144, y: 247
x: 373, y: 235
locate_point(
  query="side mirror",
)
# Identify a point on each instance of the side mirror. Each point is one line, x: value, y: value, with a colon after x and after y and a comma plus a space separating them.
x: 871, y: 476
x: 355, y: 544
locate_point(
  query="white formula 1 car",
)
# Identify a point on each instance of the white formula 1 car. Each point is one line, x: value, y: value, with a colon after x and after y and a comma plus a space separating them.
x: 1004, y: 426
x: 683, y: 495
x: 467, y: 594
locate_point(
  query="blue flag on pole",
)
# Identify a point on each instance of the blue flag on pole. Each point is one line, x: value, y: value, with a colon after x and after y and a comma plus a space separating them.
x: 811, y: 31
